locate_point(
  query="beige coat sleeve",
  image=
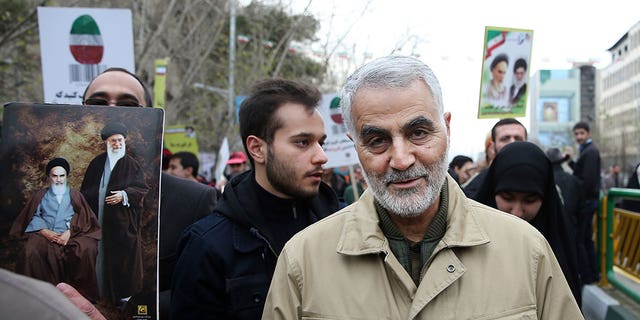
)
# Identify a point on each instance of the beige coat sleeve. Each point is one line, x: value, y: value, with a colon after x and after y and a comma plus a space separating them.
x: 284, y: 297
x: 554, y: 298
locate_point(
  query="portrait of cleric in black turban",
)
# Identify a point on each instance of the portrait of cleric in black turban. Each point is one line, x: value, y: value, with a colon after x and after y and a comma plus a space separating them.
x: 113, y: 155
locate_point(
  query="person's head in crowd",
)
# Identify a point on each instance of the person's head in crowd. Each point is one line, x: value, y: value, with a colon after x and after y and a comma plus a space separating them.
x: 461, y: 168
x: 556, y: 157
x: 184, y: 164
x: 498, y: 68
x: 520, y: 181
x: 58, y: 170
x: 237, y: 163
x: 117, y: 87
x: 283, y: 134
x: 404, y: 156
x: 581, y: 132
x: 505, y: 131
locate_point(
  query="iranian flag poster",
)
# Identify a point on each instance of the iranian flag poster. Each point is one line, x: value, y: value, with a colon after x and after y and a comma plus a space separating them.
x: 77, y: 44
x: 505, y: 72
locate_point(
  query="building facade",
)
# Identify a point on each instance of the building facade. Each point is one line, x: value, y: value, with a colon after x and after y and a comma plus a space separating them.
x: 618, y: 104
x: 555, y: 107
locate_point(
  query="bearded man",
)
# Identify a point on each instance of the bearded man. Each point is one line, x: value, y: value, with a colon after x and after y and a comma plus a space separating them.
x: 61, y: 233
x: 114, y: 186
x: 413, y: 246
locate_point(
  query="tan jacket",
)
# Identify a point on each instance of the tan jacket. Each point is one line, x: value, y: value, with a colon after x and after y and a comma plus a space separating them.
x: 488, y: 265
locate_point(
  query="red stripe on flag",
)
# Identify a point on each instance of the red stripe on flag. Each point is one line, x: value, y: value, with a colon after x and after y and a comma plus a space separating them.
x: 493, y: 47
x: 87, y: 54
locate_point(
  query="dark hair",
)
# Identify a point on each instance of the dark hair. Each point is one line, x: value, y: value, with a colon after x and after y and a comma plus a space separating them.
x: 188, y: 159
x: 459, y: 161
x: 520, y: 63
x: 147, y: 95
x: 499, y: 58
x: 503, y: 122
x: 257, y: 112
x: 581, y: 125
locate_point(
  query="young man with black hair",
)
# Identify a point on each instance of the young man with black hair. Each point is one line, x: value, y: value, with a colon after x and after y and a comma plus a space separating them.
x: 227, y: 258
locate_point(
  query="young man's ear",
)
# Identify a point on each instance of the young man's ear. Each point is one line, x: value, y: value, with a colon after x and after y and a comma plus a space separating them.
x: 257, y: 149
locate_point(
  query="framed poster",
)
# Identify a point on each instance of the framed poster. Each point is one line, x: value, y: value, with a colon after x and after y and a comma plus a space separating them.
x: 107, y: 205
x: 505, y: 72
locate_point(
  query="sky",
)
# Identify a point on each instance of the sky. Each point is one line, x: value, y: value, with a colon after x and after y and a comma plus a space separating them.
x: 449, y: 37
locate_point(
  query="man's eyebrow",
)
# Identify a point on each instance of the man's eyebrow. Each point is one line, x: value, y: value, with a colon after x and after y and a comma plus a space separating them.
x: 306, y: 135
x: 371, y: 130
x: 420, y: 121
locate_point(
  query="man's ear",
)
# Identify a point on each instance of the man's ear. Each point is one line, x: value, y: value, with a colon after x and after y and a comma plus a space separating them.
x: 257, y: 149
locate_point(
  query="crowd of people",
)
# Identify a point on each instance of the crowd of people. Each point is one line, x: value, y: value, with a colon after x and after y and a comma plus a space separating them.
x: 408, y: 235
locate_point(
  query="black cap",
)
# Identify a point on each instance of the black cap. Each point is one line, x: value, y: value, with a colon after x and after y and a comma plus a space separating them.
x: 58, y: 162
x: 113, y: 128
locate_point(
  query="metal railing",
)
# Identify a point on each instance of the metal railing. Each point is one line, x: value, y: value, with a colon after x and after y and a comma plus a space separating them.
x: 618, y: 240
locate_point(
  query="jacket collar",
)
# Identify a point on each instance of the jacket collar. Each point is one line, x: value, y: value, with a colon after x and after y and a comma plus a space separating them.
x: 361, y: 233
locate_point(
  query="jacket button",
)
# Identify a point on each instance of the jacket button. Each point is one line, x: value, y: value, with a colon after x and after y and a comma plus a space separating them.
x: 451, y: 268
x: 257, y: 298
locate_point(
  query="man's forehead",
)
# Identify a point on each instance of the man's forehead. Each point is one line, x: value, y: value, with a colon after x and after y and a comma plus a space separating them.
x: 116, y: 83
x: 58, y: 170
x: 116, y: 136
x: 510, y: 129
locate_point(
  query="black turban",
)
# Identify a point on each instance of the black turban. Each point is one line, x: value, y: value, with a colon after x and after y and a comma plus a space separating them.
x: 58, y: 162
x: 113, y: 128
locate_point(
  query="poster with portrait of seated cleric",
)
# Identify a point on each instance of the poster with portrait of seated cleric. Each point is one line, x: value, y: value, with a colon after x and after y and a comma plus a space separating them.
x: 505, y: 72
x: 79, y: 201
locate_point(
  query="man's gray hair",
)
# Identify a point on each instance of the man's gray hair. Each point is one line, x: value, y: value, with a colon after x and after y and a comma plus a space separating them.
x: 387, y: 72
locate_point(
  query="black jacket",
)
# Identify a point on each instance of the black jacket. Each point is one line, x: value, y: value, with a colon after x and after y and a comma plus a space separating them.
x: 587, y: 168
x: 227, y: 259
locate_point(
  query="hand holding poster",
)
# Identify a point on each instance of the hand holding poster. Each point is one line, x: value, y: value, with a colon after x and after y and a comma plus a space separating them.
x: 505, y: 70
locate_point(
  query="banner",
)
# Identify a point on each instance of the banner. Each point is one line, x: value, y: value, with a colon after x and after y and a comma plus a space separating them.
x: 338, y: 147
x: 159, y: 86
x: 77, y: 44
x: 180, y: 138
x: 505, y: 71
x: 221, y: 161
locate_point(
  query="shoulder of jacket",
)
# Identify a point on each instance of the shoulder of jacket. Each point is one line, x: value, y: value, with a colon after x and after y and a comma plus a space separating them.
x: 329, y: 227
x: 211, y: 225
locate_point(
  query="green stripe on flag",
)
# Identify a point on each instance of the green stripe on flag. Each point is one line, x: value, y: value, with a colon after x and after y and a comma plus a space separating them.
x: 85, y: 24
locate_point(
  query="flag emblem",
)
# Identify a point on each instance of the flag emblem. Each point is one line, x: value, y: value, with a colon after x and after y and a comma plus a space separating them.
x: 85, y: 40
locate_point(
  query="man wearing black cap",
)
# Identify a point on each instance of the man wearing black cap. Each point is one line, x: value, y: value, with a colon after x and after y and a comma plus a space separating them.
x: 61, y: 233
x: 114, y: 186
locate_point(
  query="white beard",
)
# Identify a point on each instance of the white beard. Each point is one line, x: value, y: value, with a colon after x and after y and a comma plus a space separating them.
x: 115, y: 155
x: 415, y: 201
x: 59, y: 189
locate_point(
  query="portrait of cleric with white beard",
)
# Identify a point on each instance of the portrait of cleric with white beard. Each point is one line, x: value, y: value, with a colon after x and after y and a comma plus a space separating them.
x: 114, y: 185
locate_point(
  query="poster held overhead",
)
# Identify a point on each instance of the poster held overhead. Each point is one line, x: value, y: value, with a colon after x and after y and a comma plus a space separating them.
x: 505, y: 71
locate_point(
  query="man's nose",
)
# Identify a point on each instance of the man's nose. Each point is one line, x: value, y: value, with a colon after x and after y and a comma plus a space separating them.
x: 319, y: 157
x: 402, y: 156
